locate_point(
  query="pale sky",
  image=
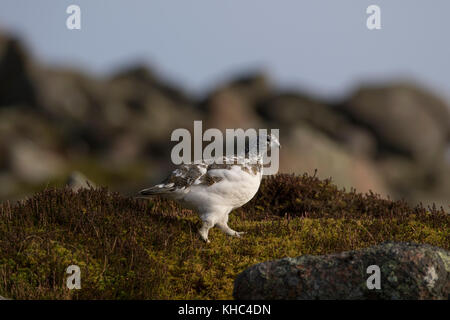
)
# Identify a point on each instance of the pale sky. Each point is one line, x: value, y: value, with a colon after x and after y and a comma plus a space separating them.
x: 317, y: 46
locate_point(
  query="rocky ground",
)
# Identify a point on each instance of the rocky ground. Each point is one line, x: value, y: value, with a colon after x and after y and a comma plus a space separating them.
x: 390, y: 138
x: 406, y: 271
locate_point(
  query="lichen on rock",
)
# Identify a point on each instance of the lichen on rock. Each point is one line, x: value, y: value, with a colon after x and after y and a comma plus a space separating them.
x: 407, y: 271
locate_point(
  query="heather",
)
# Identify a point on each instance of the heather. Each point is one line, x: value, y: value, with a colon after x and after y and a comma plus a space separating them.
x: 130, y: 248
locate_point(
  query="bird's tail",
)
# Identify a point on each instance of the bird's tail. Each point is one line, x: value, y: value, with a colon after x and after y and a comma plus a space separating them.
x: 157, y: 190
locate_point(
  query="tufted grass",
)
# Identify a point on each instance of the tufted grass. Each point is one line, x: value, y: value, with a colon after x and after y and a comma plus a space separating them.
x: 148, y: 249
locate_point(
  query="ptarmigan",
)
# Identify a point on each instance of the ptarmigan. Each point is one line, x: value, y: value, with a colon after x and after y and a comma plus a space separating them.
x: 215, y: 189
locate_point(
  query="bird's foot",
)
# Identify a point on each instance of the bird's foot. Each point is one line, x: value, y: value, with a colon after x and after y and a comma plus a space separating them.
x: 204, y: 236
x: 204, y: 230
x: 225, y: 228
x: 238, y: 234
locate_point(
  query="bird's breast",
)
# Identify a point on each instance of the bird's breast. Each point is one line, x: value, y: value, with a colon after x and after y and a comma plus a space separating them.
x: 235, y: 192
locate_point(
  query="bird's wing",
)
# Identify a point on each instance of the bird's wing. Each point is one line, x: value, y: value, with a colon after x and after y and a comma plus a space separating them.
x: 182, y: 178
x: 204, y: 174
x: 244, y: 164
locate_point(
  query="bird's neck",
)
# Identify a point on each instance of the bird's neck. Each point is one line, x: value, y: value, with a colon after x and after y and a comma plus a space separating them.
x: 252, y: 152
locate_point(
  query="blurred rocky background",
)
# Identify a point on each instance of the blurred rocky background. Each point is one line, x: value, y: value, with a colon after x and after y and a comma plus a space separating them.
x: 59, y: 125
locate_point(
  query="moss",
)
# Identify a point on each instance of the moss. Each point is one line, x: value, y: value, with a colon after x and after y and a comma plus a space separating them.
x: 137, y: 249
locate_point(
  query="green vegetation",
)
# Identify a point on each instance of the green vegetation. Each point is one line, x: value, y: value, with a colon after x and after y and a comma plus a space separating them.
x: 149, y: 249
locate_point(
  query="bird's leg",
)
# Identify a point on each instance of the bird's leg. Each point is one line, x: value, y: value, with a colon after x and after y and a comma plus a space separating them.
x: 203, y: 231
x: 223, y: 225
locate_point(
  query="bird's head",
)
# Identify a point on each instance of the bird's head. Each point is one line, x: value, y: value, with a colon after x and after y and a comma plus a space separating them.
x: 270, y: 140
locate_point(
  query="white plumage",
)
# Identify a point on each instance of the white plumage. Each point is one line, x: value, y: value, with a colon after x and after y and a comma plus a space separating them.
x: 212, y: 189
